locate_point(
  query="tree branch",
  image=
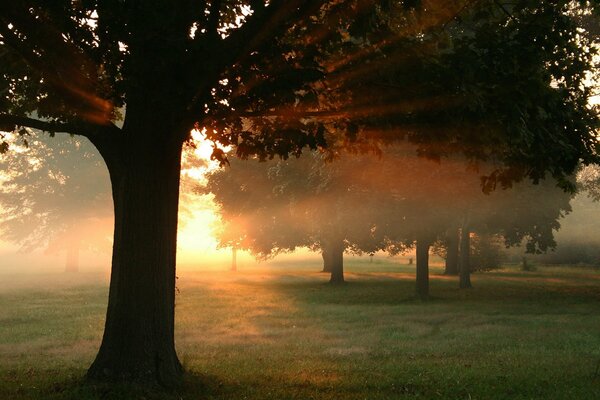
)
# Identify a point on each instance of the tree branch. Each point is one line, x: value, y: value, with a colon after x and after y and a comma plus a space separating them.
x: 260, y: 27
x: 85, y: 129
x: 66, y: 71
x: 510, y: 16
x: 214, y: 18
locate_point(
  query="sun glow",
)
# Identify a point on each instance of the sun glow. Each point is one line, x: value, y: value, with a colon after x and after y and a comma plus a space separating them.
x: 197, y: 216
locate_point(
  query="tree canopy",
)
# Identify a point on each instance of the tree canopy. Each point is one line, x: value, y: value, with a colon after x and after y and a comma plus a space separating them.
x: 361, y: 204
x: 55, y: 195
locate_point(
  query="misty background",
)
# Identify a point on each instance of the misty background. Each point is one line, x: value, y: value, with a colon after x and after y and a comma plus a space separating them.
x: 56, y: 193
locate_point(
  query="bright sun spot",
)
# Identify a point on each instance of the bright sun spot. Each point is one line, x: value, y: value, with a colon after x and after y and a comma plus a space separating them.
x: 196, y: 243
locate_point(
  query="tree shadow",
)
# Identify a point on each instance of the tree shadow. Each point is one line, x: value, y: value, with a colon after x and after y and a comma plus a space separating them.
x: 351, y: 292
x: 193, y: 386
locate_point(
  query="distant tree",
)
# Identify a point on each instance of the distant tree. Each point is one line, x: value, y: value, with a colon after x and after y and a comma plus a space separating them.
x: 486, y: 252
x: 57, y: 197
x: 588, y: 181
x: 274, y: 207
x: 526, y: 212
x: 430, y: 201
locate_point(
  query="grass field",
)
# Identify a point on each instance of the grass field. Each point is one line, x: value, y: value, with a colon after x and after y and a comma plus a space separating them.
x: 281, y: 332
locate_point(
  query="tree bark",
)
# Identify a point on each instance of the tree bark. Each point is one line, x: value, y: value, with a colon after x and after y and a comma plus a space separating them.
x: 452, y: 242
x: 465, y: 254
x: 138, y: 342
x: 234, y: 259
x: 336, y: 251
x: 326, y: 254
x: 72, y: 260
x: 423, y: 245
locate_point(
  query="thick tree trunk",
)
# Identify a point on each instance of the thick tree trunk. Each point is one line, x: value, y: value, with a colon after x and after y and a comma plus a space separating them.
x: 72, y: 258
x: 138, y: 341
x: 336, y: 256
x: 452, y: 241
x: 465, y: 254
x: 234, y: 259
x: 326, y: 254
x: 423, y: 245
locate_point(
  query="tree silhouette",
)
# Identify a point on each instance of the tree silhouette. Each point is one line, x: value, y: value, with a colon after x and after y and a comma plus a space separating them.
x: 55, y: 195
x: 274, y: 207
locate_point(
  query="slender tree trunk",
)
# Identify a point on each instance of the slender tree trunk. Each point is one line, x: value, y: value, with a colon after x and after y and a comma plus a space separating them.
x: 423, y: 245
x: 234, y: 258
x: 465, y: 254
x: 452, y: 242
x: 138, y: 341
x: 326, y: 254
x: 337, y: 262
x: 72, y: 261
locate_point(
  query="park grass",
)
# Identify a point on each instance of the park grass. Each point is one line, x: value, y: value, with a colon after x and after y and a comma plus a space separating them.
x: 281, y: 332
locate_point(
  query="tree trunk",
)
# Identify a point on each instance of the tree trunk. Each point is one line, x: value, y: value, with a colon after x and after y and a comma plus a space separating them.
x: 326, y: 254
x: 138, y: 342
x: 465, y: 254
x: 452, y: 241
x: 234, y: 259
x: 336, y: 251
x: 423, y: 245
x: 72, y: 261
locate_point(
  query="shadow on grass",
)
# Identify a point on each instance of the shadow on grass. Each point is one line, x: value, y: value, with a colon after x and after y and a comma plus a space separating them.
x: 372, y: 292
x: 488, y: 288
x: 194, y: 386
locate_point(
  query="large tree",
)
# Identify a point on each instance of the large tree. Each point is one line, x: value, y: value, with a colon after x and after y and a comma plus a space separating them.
x: 69, y: 66
x: 253, y: 73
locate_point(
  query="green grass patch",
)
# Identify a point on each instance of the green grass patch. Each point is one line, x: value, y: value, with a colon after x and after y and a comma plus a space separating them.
x: 281, y: 332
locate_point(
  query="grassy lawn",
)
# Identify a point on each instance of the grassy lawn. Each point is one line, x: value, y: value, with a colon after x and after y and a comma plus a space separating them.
x: 281, y: 332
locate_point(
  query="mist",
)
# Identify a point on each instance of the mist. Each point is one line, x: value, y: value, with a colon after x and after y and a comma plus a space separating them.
x: 56, y: 193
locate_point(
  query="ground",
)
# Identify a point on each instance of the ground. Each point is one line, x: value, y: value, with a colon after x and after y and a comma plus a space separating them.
x: 279, y: 331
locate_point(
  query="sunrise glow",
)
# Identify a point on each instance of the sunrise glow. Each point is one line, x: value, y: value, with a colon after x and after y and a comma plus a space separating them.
x: 197, y: 216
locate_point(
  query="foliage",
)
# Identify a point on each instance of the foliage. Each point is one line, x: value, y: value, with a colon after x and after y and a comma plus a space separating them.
x: 486, y: 252
x: 274, y: 207
x: 588, y: 180
x: 527, y: 265
x: 526, y: 213
x: 465, y: 85
x: 377, y: 204
x: 571, y: 252
x: 54, y: 194
x: 391, y: 70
